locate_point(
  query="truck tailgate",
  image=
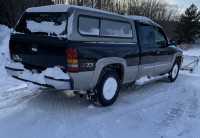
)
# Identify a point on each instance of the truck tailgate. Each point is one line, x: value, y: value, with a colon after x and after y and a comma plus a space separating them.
x: 38, y: 51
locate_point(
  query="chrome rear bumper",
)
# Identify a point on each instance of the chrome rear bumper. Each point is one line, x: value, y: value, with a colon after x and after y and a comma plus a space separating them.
x: 42, y: 79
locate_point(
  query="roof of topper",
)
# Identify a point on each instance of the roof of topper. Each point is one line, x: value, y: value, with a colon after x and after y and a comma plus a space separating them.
x: 66, y: 8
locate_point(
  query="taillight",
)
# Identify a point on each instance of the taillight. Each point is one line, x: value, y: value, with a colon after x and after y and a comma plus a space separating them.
x: 72, y: 60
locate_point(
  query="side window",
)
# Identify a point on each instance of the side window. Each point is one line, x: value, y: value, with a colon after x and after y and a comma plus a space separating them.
x: 116, y: 29
x: 89, y: 26
x: 147, y: 37
x: 160, y: 38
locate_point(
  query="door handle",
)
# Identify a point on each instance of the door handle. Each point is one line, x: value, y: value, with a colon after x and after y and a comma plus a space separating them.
x: 156, y: 52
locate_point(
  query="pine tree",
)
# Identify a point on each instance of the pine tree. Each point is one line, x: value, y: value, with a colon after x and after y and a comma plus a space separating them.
x: 189, y: 25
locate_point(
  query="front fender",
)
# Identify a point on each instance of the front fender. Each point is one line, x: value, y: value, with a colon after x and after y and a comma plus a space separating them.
x: 176, y: 55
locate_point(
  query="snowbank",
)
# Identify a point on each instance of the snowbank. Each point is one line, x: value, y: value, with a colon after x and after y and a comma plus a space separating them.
x: 4, y: 32
x: 12, y: 91
x: 4, y: 49
x: 4, y: 41
x: 6, y: 82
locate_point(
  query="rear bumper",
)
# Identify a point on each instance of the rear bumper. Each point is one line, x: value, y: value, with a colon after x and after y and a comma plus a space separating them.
x: 42, y: 79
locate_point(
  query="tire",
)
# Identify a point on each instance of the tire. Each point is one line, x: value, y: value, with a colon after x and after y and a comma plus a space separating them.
x: 173, y: 74
x: 107, y: 89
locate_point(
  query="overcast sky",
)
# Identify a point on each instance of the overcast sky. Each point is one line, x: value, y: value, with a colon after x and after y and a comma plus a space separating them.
x: 183, y: 4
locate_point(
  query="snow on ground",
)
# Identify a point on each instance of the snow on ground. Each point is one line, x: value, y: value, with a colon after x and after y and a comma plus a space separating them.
x: 9, y: 87
x: 153, y: 108
x: 195, y: 51
x: 192, y: 55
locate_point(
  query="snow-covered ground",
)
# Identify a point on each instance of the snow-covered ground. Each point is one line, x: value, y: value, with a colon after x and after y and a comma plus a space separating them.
x: 195, y: 51
x: 9, y: 94
x: 154, y: 109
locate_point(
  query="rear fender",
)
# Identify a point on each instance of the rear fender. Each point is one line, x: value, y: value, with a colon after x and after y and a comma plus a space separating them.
x: 102, y: 63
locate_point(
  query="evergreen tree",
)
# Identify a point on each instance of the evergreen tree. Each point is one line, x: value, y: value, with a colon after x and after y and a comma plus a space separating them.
x: 188, y: 28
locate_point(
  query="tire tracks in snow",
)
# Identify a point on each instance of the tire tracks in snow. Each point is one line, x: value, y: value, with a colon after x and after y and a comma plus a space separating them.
x: 15, y: 96
x: 173, y: 114
x: 178, y: 121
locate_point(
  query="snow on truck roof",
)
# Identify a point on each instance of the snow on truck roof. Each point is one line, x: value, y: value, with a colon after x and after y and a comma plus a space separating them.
x: 49, y: 8
x: 66, y: 8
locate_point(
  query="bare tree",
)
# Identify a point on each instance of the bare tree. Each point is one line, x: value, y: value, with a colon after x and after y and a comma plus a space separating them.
x: 155, y: 9
x: 11, y: 10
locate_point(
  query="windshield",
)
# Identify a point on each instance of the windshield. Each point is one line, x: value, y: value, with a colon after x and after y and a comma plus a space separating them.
x: 53, y: 24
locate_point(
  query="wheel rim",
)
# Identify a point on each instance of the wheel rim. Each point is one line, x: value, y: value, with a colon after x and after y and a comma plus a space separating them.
x: 175, y: 71
x: 110, y: 88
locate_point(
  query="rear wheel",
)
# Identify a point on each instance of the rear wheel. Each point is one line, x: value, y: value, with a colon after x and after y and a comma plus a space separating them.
x: 107, y: 89
x: 173, y: 74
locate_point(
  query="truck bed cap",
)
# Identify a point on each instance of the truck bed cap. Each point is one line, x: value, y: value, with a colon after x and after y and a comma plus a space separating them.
x: 66, y: 8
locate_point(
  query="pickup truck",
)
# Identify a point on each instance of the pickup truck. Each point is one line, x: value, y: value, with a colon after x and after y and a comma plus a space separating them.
x: 87, y: 50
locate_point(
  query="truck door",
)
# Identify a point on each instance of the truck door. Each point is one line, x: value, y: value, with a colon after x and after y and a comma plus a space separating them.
x: 147, y: 46
x: 163, y: 54
x: 155, y: 55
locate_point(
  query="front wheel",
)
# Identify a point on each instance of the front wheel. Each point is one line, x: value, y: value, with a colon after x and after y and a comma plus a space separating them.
x: 173, y: 74
x: 107, y: 89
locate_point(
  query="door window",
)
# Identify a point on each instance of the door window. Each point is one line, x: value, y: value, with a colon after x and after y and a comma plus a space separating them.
x: 147, y: 36
x: 160, y: 39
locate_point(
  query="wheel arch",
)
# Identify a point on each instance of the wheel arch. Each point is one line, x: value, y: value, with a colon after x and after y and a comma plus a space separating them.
x: 178, y: 57
x: 112, y: 63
